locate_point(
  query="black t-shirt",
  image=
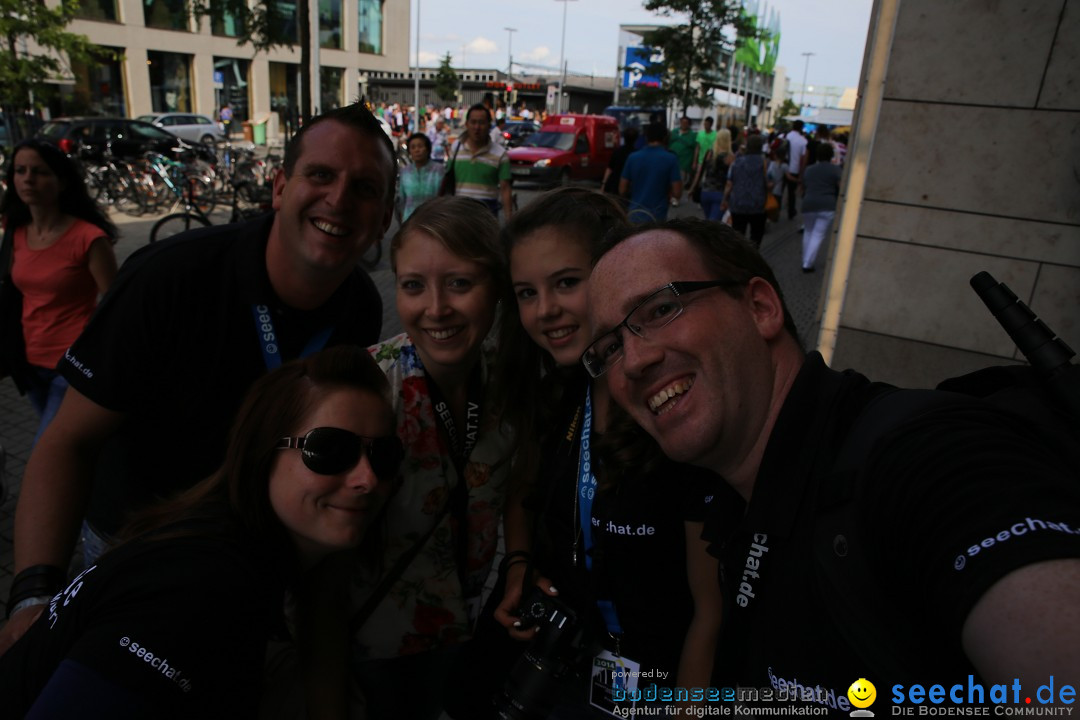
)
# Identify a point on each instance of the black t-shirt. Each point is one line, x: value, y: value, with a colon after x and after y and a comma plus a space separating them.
x: 639, y: 560
x: 950, y: 503
x: 175, y: 346
x: 639, y: 549
x: 166, y: 628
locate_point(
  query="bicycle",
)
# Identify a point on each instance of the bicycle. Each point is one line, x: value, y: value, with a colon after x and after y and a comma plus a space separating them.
x: 177, y: 223
x: 167, y: 174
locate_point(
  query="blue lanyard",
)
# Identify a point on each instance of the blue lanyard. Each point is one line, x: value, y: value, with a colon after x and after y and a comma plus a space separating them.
x: 268, y: 342
x: 586, y: 494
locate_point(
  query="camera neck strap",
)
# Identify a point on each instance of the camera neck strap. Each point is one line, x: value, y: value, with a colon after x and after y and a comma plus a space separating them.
x: 271, y: 346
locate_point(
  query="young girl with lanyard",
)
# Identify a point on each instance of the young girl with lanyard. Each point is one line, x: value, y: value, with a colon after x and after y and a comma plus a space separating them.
x: 443, y: 520
x: 627, y: 554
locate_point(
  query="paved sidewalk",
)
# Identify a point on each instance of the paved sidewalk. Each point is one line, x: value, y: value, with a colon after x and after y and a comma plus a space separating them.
x: 18, y: 422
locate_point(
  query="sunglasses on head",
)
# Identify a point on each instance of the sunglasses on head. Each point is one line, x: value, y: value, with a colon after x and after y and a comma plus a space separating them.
x: 331, y: 451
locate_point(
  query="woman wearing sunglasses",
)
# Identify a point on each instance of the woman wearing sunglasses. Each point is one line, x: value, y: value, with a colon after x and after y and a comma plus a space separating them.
x: 620, y: 546
x: 174, y: 620
x: 443, y: 518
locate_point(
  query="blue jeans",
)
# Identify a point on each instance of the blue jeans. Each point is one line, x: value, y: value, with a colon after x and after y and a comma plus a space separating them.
x: 46, y: 390
x: 710, y: 204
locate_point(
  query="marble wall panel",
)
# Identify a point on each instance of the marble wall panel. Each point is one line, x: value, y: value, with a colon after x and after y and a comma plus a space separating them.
x: 1061, y: 86
x: 922, y: 293
x: 982, y: 52
x: 1009, y: 237
x: 997, y: 161
x: 905, y: 363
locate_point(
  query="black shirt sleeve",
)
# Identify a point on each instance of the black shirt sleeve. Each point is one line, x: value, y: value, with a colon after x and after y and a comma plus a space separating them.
x: 964, y: 499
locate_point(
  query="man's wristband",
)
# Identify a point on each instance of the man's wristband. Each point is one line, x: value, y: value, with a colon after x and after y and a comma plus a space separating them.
x: 29, y: 603
x: 35, y: 581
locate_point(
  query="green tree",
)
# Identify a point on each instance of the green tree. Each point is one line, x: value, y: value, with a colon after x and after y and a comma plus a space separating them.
x: 691, y: 50
x: 446, y: 81
x: 38, y: 49
x: 788, y: 108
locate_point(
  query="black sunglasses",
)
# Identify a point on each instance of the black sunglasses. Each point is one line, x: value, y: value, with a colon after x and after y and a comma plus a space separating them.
x: 330, y: 451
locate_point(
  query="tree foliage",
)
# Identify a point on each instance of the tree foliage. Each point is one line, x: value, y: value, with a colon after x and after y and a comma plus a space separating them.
x: 38, y: 49
x: 446, y: 81
x: 788, y: 108
x: 691, y: 50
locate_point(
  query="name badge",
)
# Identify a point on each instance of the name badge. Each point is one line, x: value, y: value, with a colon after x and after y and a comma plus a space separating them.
x: 613, y: 679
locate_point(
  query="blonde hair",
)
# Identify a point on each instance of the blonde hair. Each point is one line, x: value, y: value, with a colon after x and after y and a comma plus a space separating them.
x: 467, y: 229
x: 722, y: 143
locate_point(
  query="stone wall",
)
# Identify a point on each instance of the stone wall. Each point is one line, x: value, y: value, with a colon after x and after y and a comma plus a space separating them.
x: 974, y: 165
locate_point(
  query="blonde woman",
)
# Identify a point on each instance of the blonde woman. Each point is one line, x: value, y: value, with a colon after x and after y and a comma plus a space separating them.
x: 712, y: 174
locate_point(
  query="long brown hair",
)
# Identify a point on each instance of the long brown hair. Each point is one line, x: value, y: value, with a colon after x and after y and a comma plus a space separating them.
x: 273, y: 407
x: 529, y: 390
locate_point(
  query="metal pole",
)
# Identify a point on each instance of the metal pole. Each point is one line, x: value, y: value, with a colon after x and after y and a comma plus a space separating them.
x: 806, y: 69
x: 416, y: 74
x: 562, y: 58
x: 510, y: 53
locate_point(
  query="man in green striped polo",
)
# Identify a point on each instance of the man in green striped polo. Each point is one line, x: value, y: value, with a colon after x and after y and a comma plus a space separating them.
x: 481, y: 167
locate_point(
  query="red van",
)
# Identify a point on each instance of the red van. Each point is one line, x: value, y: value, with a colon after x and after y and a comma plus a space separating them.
x: 567, y: 147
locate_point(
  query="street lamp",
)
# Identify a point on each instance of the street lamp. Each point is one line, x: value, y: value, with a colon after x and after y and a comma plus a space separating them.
x: 416, y: 74
x: 562, y: 58
x: 510, y: 52
x: 806, y: 69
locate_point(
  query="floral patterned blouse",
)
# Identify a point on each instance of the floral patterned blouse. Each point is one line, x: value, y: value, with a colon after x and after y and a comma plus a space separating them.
x: 425, y: 608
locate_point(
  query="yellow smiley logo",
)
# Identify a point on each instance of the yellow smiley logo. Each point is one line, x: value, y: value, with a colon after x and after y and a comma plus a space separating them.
x: 862, y: 693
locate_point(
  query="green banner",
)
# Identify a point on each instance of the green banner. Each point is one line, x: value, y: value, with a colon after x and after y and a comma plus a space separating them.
x: 759, y: 53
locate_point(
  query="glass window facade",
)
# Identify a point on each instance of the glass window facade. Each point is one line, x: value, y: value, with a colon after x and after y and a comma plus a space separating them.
x: 96, y: 10
x: 285, y: 93
x: 371, y: 26
x: 235, y: 87
x: 170, y: 81
x: 166, y: 14
x: 330, y: 79
x: 225, y: 26
x: 287, y: 16
x: 330, y: 24
x: 98, y: 88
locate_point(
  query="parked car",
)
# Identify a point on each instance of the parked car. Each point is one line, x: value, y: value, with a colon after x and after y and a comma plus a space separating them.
x: 193, y: 128
x: 89, y: 136
x: 567, y: 147
x: 517, y: 131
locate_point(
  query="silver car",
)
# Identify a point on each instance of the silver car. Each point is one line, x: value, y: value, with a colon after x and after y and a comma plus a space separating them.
x: 188, y: 126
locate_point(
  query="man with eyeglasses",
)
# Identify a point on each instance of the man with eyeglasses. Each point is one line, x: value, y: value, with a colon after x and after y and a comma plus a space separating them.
x: 957, y: 531
x: 187, y: 327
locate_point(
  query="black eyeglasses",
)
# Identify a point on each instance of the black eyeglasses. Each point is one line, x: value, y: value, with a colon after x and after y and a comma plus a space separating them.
x: 652, y: 313
x: 331, y: 451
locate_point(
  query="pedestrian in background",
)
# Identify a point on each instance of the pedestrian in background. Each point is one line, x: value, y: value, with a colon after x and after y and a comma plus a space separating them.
x: 796, y: 143
x: 820, y: 188
x: 684, y: 143
x: 420, y: 180
x: 226, y: 116
x: 651, y: 177
x: 745, y: 192
x: 712, y: 175
x: 60, y: 246
x: 618, y: 161
x: 705, y: 140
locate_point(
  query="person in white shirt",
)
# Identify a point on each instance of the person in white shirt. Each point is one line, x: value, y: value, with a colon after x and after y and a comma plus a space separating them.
x: 796, y: 164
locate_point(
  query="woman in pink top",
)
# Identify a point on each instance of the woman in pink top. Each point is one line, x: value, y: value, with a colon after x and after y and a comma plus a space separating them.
x: 62, y: 260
